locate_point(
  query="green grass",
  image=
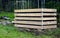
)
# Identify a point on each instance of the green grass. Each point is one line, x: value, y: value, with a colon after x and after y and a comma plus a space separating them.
x: 12, y: 32
x: 9, y: 31
x: 9, y: 14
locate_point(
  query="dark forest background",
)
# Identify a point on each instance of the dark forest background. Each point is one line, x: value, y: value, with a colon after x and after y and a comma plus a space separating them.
x: 8, y: 5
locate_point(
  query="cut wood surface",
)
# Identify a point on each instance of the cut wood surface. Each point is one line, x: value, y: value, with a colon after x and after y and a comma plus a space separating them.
x: 36, y: 23
x: 35, y: 14
x: 31, y: 18
x: 36, y: 27
x: 35, y: 10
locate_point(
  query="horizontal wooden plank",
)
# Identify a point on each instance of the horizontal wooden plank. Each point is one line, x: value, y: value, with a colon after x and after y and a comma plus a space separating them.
x: 31, y: 18
x: 28, y: 22
x: 36, y: 23
x: 35, y: 10
x: 35, y: 14
x: 36, y: 27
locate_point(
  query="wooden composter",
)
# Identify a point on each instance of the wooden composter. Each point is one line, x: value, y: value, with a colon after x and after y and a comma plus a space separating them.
x: 36, y: 18
x: 34, y: 14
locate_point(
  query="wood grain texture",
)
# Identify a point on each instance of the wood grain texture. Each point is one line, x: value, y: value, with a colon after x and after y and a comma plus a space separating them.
x: 36, y: 27
x: 31, y: 18
x: 35, y: 14
x: 35, y: 23
x: 35, y: 10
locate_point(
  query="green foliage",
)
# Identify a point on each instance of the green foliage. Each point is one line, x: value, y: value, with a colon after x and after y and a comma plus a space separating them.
x: 54, y: 32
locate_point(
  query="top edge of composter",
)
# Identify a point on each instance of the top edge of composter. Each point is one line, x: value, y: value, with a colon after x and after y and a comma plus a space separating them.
x: 36, y: 10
